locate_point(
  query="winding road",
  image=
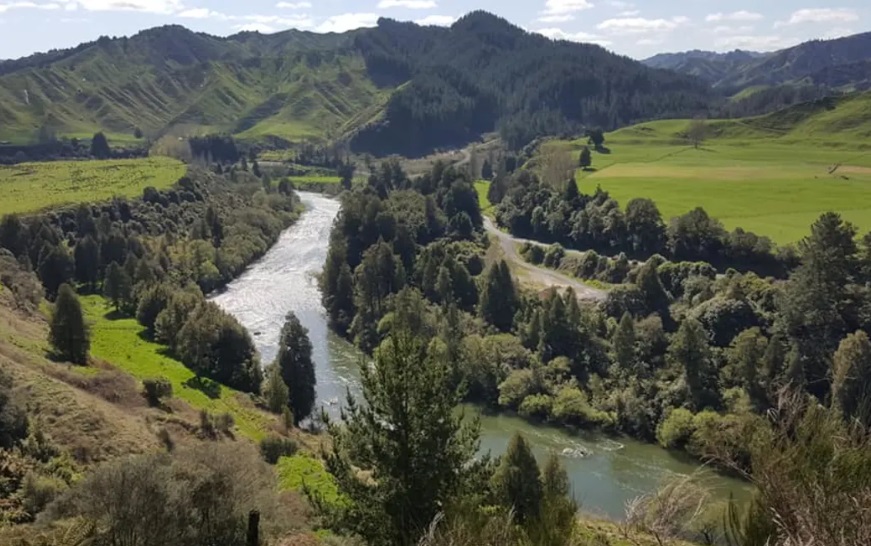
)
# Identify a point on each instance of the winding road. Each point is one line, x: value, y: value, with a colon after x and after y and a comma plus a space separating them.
x: 536, y: 275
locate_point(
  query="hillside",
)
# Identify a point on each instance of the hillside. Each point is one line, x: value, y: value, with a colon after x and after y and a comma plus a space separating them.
x: 707, y: 65
x: 398, y: 87
x: 836, y: 64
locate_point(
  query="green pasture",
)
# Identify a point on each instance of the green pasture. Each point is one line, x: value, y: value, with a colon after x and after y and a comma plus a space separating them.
x: 120, y: 341
x: 28, y: 187
x: 773, y: 175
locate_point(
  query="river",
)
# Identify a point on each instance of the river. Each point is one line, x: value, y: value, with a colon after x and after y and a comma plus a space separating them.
x: 614, y: 471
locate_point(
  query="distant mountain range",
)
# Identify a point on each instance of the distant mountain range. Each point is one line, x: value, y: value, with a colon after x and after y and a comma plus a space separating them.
x: 841, y: 64
x: 395, y: 88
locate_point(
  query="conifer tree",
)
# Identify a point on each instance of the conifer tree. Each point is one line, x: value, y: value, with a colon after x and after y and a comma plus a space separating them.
x: 297, y: 368
x: 623, y: 343
x: 690, y: 352
x: 117, y: 286
x: 100, y: 146
x: 408, y: 438
x: 68, y: 333
x: 87, y: 259
x: 498, y: 302
x: 556, y: 518
x: 516, y: 481
x: 851, y: 378
x: 586, y: 159
x: 275, y: 391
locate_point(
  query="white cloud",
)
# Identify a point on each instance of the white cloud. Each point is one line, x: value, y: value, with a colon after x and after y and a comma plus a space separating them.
x: 586, y: 37
x: 348, y: 21
x: 561, y: 7
x: 726, y: 29
x: 648, y: 42
x: 28, y: 5
x: 837, y: 32
x: 630, y: 13
x: 201, y: 13
x: 253, y: 22
x: 638, y: 25
x: 564, y: 18
x: 821, y: 15
x: 293, y: 5
x: 734, y: 16
x: 755, y: 43
x: 437, y: 20
x: 407, y: 4
x: 148, y: 6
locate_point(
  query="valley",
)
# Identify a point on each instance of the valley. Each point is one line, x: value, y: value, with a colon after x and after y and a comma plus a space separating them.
x: 421, y: 285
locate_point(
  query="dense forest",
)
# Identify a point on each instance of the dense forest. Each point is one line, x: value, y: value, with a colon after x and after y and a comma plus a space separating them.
x: 484, y: 73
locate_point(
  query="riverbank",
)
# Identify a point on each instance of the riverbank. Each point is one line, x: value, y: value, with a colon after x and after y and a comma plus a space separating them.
x: 603, y: 479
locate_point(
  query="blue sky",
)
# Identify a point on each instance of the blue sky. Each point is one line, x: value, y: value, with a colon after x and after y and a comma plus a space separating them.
x: 638, y: 28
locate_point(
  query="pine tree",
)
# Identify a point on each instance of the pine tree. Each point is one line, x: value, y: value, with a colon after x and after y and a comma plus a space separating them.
x: 745, y: 357
x: 100, y: 146
x: 656, y: 299
x: 117, y: 286
x: 408, y: 438
x: 851, y: 378
x: 68, y: 333
x: 558, y: 509
x: 487, y: 170
x: 623, y: 342
x: 87, y: 259
x: 56, y: 267
x: 516, y: 481
x: 297, y: 368
x: 275, y: 391
x: 689, y: 351
x: 586, y: 159
x: 498, y: 300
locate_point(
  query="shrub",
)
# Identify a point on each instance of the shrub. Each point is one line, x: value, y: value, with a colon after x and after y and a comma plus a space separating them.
x: 554, y: 255
x: 273, y: 448
x: 211, y: 424
x: 155, y: 390
x: 38, y: 491
x: 676, y: 430
x: 536, y: 406
x: 533, y: 254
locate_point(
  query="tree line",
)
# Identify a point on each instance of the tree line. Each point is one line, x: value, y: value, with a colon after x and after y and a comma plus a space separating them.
x: 532, y: 208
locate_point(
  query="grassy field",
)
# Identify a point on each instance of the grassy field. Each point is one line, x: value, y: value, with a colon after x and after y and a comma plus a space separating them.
x: 773, y: 175
x: 29, y: 187
x: 119, y: 341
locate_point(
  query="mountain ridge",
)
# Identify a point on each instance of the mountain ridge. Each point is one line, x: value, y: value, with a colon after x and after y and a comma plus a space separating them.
x: 398, y: 87
x: 810, y: 62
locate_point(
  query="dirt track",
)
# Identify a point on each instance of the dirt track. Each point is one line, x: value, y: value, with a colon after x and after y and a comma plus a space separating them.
x: 539, y: 276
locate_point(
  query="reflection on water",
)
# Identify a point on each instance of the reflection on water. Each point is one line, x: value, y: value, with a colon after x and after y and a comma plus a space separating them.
x: 605, y: 472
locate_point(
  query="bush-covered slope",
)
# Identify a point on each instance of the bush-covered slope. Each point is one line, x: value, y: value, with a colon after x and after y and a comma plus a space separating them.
x: 398, y: 87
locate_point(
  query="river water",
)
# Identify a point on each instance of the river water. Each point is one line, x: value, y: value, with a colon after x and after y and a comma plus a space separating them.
x: 613, y: 471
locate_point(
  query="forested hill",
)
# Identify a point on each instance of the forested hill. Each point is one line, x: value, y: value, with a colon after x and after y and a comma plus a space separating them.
x: 836, y: 64
x: 483, y: 73
x: 395, y: 88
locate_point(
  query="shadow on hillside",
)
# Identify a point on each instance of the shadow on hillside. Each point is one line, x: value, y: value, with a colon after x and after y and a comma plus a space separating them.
x: 205, y: 385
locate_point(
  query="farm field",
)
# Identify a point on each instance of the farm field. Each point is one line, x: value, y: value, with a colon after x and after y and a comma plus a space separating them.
x: 28, y: 187
x: 773, y: 175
